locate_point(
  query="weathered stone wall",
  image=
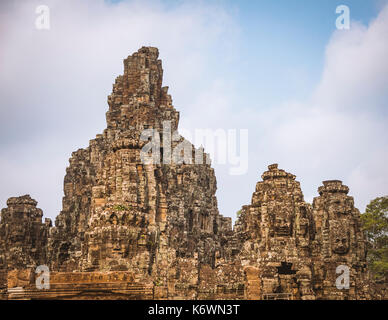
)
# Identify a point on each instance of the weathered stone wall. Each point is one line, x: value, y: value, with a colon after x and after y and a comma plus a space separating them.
x: 116, y: 285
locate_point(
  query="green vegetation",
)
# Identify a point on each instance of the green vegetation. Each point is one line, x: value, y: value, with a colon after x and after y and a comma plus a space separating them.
x: 120, y: 207
x: 158, y: 282
x: 375, y: 224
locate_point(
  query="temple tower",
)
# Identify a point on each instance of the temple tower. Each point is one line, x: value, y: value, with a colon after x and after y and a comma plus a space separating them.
x: 341, y: 244
x: 278, y: 232
x: 121, y: 212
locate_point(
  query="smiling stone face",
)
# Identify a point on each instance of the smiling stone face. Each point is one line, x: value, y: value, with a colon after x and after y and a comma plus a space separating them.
x: 282, y: 223
x: 339, y: 238
x: 282, y: 226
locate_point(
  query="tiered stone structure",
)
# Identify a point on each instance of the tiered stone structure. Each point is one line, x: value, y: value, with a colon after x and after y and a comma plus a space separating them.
x: 121, y: 213
x: 340, y: 242
x: 277, y: 233
x: 131, y: 228
x: 296, y: 248
x: 23, y: 236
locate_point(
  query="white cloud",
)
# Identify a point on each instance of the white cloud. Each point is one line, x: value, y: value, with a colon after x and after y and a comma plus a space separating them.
x: 355, y: 74
x: 338, y: 133
x: 341, y: 131
x: 54, y: 84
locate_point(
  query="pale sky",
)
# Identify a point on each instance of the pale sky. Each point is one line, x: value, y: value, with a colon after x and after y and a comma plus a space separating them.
x: 313, y: 98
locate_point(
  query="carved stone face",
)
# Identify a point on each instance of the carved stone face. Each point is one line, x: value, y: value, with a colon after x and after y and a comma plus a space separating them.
x: 339, y: 239
x: 282, y: 225
x: 340, y: 206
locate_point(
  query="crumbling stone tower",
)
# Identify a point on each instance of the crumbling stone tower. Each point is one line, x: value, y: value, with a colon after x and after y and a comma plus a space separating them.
x: 278, y: 231
x: 123, y: 213
x: 23, y: 236
x: 341, y: 242
x: 292, y: 250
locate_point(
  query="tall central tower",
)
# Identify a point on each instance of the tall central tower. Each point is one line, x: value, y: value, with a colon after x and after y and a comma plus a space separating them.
x: 122, y: 213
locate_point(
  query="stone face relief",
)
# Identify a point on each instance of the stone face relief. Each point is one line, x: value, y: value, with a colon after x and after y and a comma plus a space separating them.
x: 340, y: 238
x: 282, y: 224
x: 340, y: 206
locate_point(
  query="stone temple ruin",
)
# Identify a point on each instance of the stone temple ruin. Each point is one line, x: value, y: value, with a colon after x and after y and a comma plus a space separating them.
x: 135, y: 230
